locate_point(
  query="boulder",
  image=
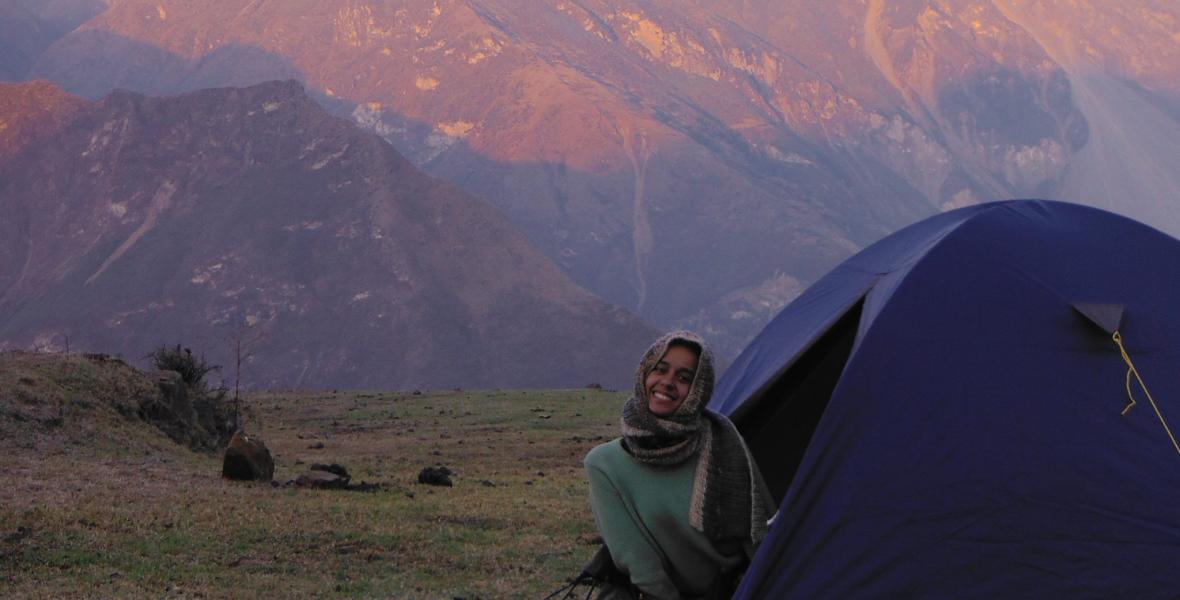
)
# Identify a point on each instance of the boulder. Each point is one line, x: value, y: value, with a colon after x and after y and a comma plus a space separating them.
x: 247, y: 458
x: 436, y: 476
x: 333, y: 468
x: 321, y: 480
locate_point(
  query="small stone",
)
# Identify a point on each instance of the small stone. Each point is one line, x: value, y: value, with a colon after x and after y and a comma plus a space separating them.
x: 321, y: 480
x: 21, y: 533
x: 365, y: 486
x: 333, y: 468
x: 435, y: 476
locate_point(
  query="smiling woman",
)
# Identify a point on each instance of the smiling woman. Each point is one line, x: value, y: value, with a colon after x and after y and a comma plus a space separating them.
x: 679, y: 503
x: 668, y: 383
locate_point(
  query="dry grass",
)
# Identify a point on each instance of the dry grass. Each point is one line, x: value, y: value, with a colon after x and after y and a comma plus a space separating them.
x: 88, y: 518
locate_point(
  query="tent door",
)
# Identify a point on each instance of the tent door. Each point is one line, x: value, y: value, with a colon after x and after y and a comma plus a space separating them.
x: 779, y: 421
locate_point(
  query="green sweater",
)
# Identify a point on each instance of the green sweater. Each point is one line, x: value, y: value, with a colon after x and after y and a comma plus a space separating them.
x: 642, y: 512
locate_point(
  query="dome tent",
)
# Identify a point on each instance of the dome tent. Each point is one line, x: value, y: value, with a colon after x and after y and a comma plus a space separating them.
x: 941, y: 415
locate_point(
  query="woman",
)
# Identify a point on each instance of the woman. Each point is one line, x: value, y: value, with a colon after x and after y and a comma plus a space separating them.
x: 678, y: 499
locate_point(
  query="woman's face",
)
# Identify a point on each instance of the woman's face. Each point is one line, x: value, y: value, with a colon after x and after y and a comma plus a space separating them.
x: 668, y: 383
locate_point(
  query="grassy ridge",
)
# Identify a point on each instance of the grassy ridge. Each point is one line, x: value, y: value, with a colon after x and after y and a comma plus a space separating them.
x: 162, y: 523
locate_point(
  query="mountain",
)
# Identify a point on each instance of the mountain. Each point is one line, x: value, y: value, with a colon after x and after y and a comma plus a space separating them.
x: 28, y: 27
x: 702, y: 161
x: 31, y: 112
x: 251, y: 214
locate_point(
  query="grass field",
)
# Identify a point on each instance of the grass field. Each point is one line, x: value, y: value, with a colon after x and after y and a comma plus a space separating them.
x: 84, y: 515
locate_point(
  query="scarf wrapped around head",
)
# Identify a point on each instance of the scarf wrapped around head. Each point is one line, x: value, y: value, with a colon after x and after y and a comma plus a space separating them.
x: 729, y: 498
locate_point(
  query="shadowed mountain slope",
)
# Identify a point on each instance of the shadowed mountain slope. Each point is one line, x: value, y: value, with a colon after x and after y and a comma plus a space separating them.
x: 252, y: 213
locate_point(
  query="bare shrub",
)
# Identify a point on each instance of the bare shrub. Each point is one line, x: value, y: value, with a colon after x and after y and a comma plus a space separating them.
x: 192, y: 369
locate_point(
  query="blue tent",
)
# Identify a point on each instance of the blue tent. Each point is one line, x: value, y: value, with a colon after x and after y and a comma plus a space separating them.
x: 941, y: 416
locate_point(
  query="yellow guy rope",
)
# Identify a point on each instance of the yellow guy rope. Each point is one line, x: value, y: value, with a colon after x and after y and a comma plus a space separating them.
x: 1131, y: 370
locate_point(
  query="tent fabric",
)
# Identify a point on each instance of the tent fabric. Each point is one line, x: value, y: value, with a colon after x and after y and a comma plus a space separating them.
x: 972, y: 445
x: 1108, y: 317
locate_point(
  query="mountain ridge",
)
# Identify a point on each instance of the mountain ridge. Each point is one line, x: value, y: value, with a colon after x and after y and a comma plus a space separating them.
x: 747, y: 143
x: 250, y: 213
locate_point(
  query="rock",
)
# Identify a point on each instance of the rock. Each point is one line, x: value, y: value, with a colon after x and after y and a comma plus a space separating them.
x: 247, y: 458
x: 333, y: 468
x: 57, y: 421
x: 15, y: 538
x: 436, y: 476
x: 321, y: 480
x: 366, y: 487
x: 316, y: 446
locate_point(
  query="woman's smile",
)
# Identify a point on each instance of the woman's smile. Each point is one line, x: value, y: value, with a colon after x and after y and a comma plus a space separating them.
x: 668, y: 383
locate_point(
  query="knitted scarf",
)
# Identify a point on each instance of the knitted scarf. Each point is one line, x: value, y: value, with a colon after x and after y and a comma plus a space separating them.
x: 729, y: 498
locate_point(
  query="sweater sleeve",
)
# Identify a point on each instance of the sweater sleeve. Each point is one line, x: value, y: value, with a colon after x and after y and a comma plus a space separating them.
x: 631, y: 546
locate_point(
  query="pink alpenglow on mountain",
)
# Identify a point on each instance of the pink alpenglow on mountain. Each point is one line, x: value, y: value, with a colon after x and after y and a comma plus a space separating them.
x: 252, y: 213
